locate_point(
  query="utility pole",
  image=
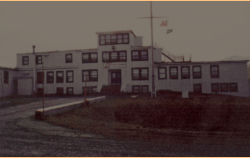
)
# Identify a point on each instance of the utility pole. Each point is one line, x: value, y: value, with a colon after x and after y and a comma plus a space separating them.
x: 153, y: 93
x: 85, y: 101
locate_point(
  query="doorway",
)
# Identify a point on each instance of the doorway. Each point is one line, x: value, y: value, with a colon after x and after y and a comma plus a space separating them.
x: 116, y: 78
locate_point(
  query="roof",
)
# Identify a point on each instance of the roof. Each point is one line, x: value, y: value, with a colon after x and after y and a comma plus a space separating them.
x: 73, y: 50
x: 201, y: 62
x: 116, y: 32
x: 7, y: 68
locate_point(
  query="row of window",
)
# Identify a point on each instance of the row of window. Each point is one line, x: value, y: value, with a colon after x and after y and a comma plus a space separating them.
x: 140, y: 89
x: 70, y: 90
x: 137, y: 74
x: 114, y: 39
x: 224, y: 87
x: 217, y: 87
x: 197, y: 88
x: 91, y: 57
x: 87, y: 75
x: 185, y: 72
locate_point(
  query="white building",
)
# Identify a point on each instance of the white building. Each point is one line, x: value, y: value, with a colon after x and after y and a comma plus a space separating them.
x: 121, y: 62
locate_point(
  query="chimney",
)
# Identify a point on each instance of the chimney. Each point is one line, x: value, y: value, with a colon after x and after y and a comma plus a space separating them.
x: 34, y: 49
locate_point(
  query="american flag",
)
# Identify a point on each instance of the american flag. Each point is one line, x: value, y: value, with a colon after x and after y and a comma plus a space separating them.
x: 164, y: 23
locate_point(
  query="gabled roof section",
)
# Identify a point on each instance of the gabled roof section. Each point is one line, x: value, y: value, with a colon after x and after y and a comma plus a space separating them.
x: 116, y: 32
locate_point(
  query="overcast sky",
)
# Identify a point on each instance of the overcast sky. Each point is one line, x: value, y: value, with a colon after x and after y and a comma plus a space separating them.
x: 208, y: 31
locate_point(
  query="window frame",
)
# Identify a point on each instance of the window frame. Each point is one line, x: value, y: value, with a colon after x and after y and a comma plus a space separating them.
x: 140, y: 74
x: 90, y: 78
x: 67, y: 90
x: 118, y: 56
x: 182, y: 75
x: 133, y: 91
x: 67, y: 59
x: 89, y: 90
x: 200, y: 88
x: 218, y: 85
x: 90, y: 60
x: 40, y: 80
x: 57, y: 91
x: 211, y: 72
x: 200, y: 73
x: 232, y: 88
x: 6, y: 77
x: 67, y: 77
x: 39, y: 61
x: 170, y: 75
x: 52, y: 78
x: 159, y: 74
x: 141, y: 89
x: 139, y: 55
x: 115, y: 40
x: 58, y: 77
x: 222, y: 88
x: 25, y: 59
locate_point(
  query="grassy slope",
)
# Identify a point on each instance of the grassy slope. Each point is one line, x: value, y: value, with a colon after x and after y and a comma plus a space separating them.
x: 146, y: 118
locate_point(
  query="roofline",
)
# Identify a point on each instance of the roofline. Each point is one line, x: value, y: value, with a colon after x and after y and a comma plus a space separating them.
x: 202, y: 62
x: 116, y: 32
x: 7, y: 68
x: 76, y: 50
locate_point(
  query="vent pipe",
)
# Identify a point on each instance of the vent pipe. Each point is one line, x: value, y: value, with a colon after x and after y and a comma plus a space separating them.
x: 34, y: 49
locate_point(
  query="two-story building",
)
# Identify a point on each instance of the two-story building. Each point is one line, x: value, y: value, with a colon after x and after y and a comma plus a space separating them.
x: 120, y: 59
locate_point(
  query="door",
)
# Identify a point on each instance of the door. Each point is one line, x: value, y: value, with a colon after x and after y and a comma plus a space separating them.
x: 116, y: 78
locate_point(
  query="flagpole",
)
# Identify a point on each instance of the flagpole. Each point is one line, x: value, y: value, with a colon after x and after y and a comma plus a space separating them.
x: 152, y: 49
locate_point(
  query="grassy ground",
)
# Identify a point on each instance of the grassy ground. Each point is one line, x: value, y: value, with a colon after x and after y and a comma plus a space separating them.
x: 144, y: 118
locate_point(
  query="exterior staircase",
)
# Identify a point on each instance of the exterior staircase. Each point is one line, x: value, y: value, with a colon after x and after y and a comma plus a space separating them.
x: 111, y: 90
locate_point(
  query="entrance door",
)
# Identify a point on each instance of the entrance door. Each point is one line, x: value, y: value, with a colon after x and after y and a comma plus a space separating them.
x: 116, y: 78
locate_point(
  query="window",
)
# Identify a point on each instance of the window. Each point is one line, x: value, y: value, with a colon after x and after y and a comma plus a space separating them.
x: 50, y: 77
x: 25, y: 60
x: 136, y: 89
x: 162, y: 73
x: 144, y: 88
x: 40, y: 91
x: 40, y: 77
x: 114, y: 39
x: 89, y: 75
x: 89, y: 57
x: 140, y: 89
x: 173, y: 72
x: 224, y: 87
x: 233, y: 87
x: 59, y: 77
x: 6, y: 77
x: 196, y: 71
x: 114, y: 56
x: 69, y: 76
x: 197, y: 88
x: 89, y: 90
x: 214, y: 71
x: 215, y: 87
x: 39, y: 59
x: 59, y: 91
x: 68, y: 58
x: 70, y: 91
x: 139, y: 55
x: 185, y: 72
x: 139, y: 73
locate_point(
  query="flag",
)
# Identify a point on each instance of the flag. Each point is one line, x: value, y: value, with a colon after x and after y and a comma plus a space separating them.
x: 169, y: 31
x: 164, y: 23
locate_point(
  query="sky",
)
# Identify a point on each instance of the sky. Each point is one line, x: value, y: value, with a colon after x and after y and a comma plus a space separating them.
x: 208, y: 31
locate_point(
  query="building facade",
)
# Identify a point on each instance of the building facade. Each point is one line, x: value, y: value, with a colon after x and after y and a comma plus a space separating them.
x: 120, y: 59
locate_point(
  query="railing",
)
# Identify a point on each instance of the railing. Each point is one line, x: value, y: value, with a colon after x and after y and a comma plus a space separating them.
x: 167, y: 54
